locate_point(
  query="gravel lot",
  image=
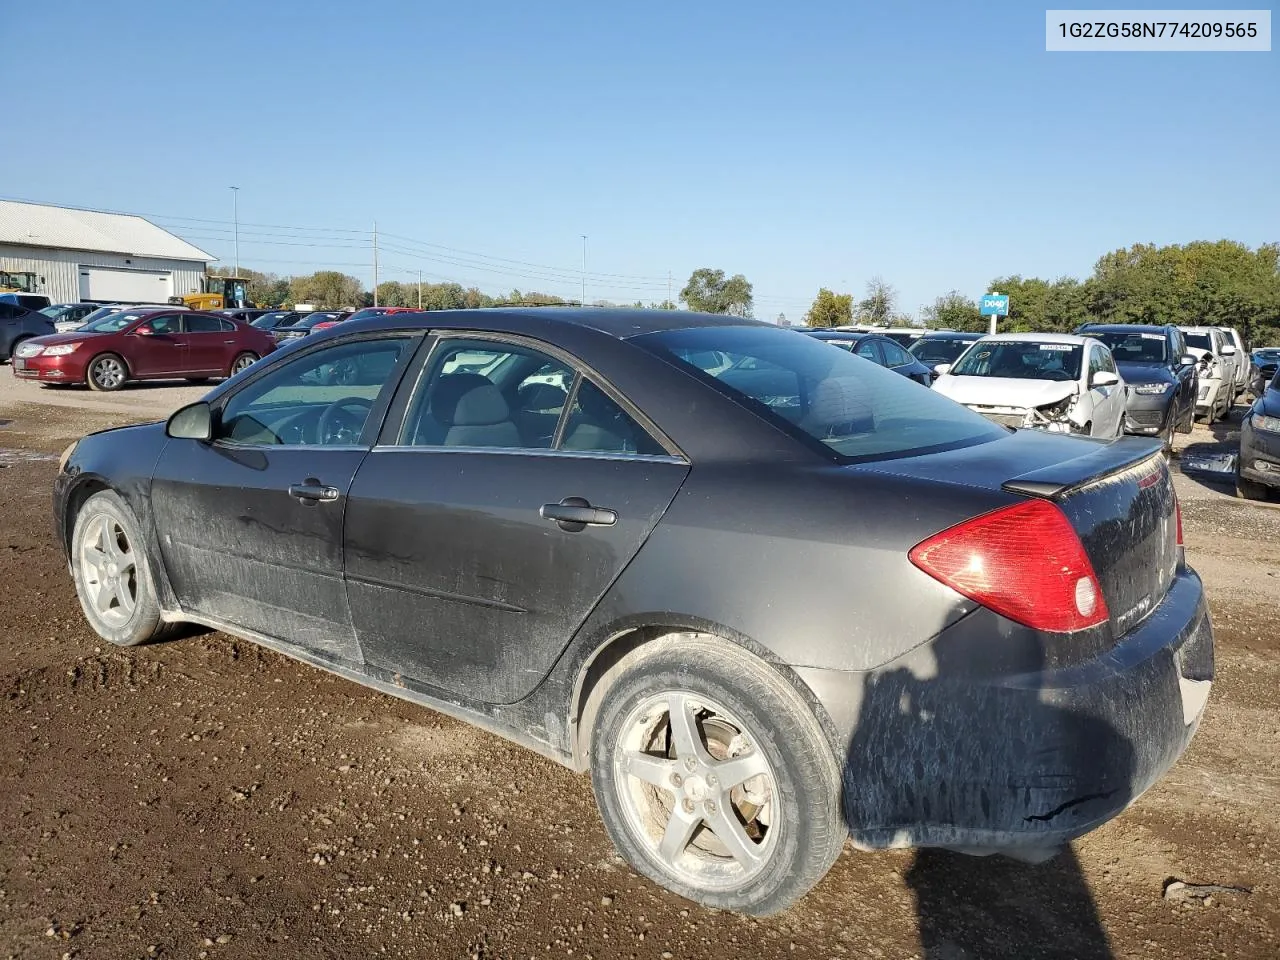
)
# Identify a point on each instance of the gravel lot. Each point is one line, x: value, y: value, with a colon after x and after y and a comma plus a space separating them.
x: 205, y: 798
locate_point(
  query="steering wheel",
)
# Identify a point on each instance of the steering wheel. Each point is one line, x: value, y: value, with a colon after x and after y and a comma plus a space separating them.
x: 337, y: 425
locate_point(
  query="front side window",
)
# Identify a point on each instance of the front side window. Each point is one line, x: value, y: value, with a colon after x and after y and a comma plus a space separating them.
x: 486, y: 394
x: 323, y: 397
x: 1021, y: 360
x: 856, y: 410
x: 166, y: 325
x: 894, y: 355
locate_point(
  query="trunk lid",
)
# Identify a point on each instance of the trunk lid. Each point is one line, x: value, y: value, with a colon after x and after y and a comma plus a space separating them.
x: 1118, y: 496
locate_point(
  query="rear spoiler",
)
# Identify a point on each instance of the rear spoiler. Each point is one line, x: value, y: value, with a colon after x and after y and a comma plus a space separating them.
x: 1105, y: 460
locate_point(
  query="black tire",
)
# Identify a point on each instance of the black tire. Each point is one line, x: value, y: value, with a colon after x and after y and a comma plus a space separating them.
x: 242, y: 362
x: 1250, y: 490
x: 105, y: 518
x: 804, y: 830
x: 106, y: 372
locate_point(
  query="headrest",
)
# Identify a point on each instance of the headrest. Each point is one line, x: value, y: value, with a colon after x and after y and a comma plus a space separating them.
x: 468, y: 400
x: 595, y: 403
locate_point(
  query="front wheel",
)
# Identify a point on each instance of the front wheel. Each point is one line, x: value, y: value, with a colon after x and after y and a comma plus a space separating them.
x: 1249, y: 490
x: 713, y: 776
x: 106, y: 373
x: 112, y: 576
x: 243, y: 362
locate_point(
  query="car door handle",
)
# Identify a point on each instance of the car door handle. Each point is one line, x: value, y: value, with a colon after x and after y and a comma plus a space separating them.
x: 312, y: 490
x: 574, y: 514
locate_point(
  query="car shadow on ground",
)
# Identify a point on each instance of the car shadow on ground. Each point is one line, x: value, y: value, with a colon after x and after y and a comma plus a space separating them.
x: 939, y: 744
x: 1226, y: 440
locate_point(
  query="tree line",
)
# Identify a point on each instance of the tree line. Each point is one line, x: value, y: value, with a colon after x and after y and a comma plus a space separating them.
x: 1222, y: 283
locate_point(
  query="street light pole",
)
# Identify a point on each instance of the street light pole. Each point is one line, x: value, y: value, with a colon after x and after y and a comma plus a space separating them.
x: 584, y: 269
x: 235, y: 213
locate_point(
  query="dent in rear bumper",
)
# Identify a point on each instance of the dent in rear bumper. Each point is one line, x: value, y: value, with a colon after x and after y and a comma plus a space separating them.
x: 934, y: 757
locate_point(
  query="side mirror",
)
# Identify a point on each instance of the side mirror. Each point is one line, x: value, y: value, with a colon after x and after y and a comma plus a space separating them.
x: 1228, y: 351
x: 941, y: 369
x: 1104, y: 378
x: 192, y: 422
x: 1187, y: 360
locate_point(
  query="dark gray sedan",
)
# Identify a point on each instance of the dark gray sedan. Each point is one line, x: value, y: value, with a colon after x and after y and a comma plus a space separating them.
x: 769, y: 594
x: 1258, y: 466
x: 878, y: 349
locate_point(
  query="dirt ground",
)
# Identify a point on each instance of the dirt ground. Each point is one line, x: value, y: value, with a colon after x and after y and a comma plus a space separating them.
x: 206, y: 798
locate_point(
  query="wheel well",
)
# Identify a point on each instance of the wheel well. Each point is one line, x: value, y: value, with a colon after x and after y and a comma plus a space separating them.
x: 605, y: 663
x: 78, y: 496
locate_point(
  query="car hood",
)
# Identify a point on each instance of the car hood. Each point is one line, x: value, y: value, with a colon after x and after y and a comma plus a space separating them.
x: 1269, y: 403
x: 1004, y: 391
x: 1144, y: 373
x: 52, y: 339
x: 1199, y: 352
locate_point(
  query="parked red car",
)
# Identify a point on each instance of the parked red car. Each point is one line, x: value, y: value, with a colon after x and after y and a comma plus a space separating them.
x: 363, y: 315
x: 143, y: 344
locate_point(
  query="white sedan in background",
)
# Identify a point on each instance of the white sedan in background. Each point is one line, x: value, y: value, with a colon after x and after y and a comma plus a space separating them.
x: 1043, y: 381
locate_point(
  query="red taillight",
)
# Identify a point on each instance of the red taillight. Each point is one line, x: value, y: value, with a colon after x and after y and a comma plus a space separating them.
x: 1025, y: 562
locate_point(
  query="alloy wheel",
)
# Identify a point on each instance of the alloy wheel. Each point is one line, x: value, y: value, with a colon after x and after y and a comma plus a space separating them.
x: 109, y: 570
x: 696, y: 790
x: 243, y: 362
x: 108, y: 372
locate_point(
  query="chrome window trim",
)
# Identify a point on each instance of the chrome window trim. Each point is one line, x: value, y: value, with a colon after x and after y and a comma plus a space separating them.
x: 529, y: 452
x: 236, y: 445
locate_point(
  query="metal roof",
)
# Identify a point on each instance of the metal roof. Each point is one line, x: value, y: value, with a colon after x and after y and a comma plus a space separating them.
x: 65, y: 228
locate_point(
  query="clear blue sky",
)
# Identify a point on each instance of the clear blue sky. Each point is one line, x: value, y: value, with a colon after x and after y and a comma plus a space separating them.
x: 934, y: 144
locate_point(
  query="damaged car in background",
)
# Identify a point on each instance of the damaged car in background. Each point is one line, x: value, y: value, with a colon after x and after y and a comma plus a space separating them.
x: 1060, y: 383
x: 1216, y: 371
x: 594, y: 532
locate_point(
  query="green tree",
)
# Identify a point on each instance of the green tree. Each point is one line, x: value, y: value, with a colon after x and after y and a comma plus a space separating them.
x: 708, y: 291
x: 880, y: 303
x: 392, y: 293
x: 328, y: 289
x: 830, y: 309
x: 954, y: 311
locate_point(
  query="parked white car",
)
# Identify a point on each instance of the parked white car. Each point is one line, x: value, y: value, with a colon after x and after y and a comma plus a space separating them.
x: 1056, y: 382
x: 1244, y: 363
x: 1216, y: 359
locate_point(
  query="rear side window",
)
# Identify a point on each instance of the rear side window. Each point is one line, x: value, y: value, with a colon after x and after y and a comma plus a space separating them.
x: 196, y: 323
x: 854, y: 409
x: 894, y: 355
x: 10, y: 312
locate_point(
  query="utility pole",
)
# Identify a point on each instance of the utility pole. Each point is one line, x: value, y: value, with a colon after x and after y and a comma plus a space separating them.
x: 419, y: 289
x: 235, y: 213
x: 584, y: 269
x: 375, y: 263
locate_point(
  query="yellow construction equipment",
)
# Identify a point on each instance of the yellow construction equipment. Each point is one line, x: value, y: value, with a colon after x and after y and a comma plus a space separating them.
x: 216, y: 293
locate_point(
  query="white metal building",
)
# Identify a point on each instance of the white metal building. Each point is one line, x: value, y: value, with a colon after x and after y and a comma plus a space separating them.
x: 76, y: 255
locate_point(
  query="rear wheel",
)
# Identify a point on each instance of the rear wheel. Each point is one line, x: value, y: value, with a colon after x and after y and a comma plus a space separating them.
x: 713, y: 776
x: 107, y: 372
x: 243, y: 362
x: 112, y: 575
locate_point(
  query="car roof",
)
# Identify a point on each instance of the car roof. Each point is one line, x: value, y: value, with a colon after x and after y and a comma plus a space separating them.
x: 1126, y: 327
x: 620, y: 322
x: 1038, y: 338
x: 1200, y: 329
x: 952, y: 335
x: 829, y: 334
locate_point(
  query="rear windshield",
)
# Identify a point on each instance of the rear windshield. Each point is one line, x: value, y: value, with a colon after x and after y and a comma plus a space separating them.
x: 939, y: 349
x: 269, y: 320
x: 1021, y: 360
x: 855, y: 408
x: 1134, y: 347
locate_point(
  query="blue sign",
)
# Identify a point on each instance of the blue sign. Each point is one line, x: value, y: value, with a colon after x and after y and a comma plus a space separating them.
x: 995, y: 305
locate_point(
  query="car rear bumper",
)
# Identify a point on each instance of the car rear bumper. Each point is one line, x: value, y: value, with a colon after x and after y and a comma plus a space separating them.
x: 64, y: 369
x: 1021, y: 762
